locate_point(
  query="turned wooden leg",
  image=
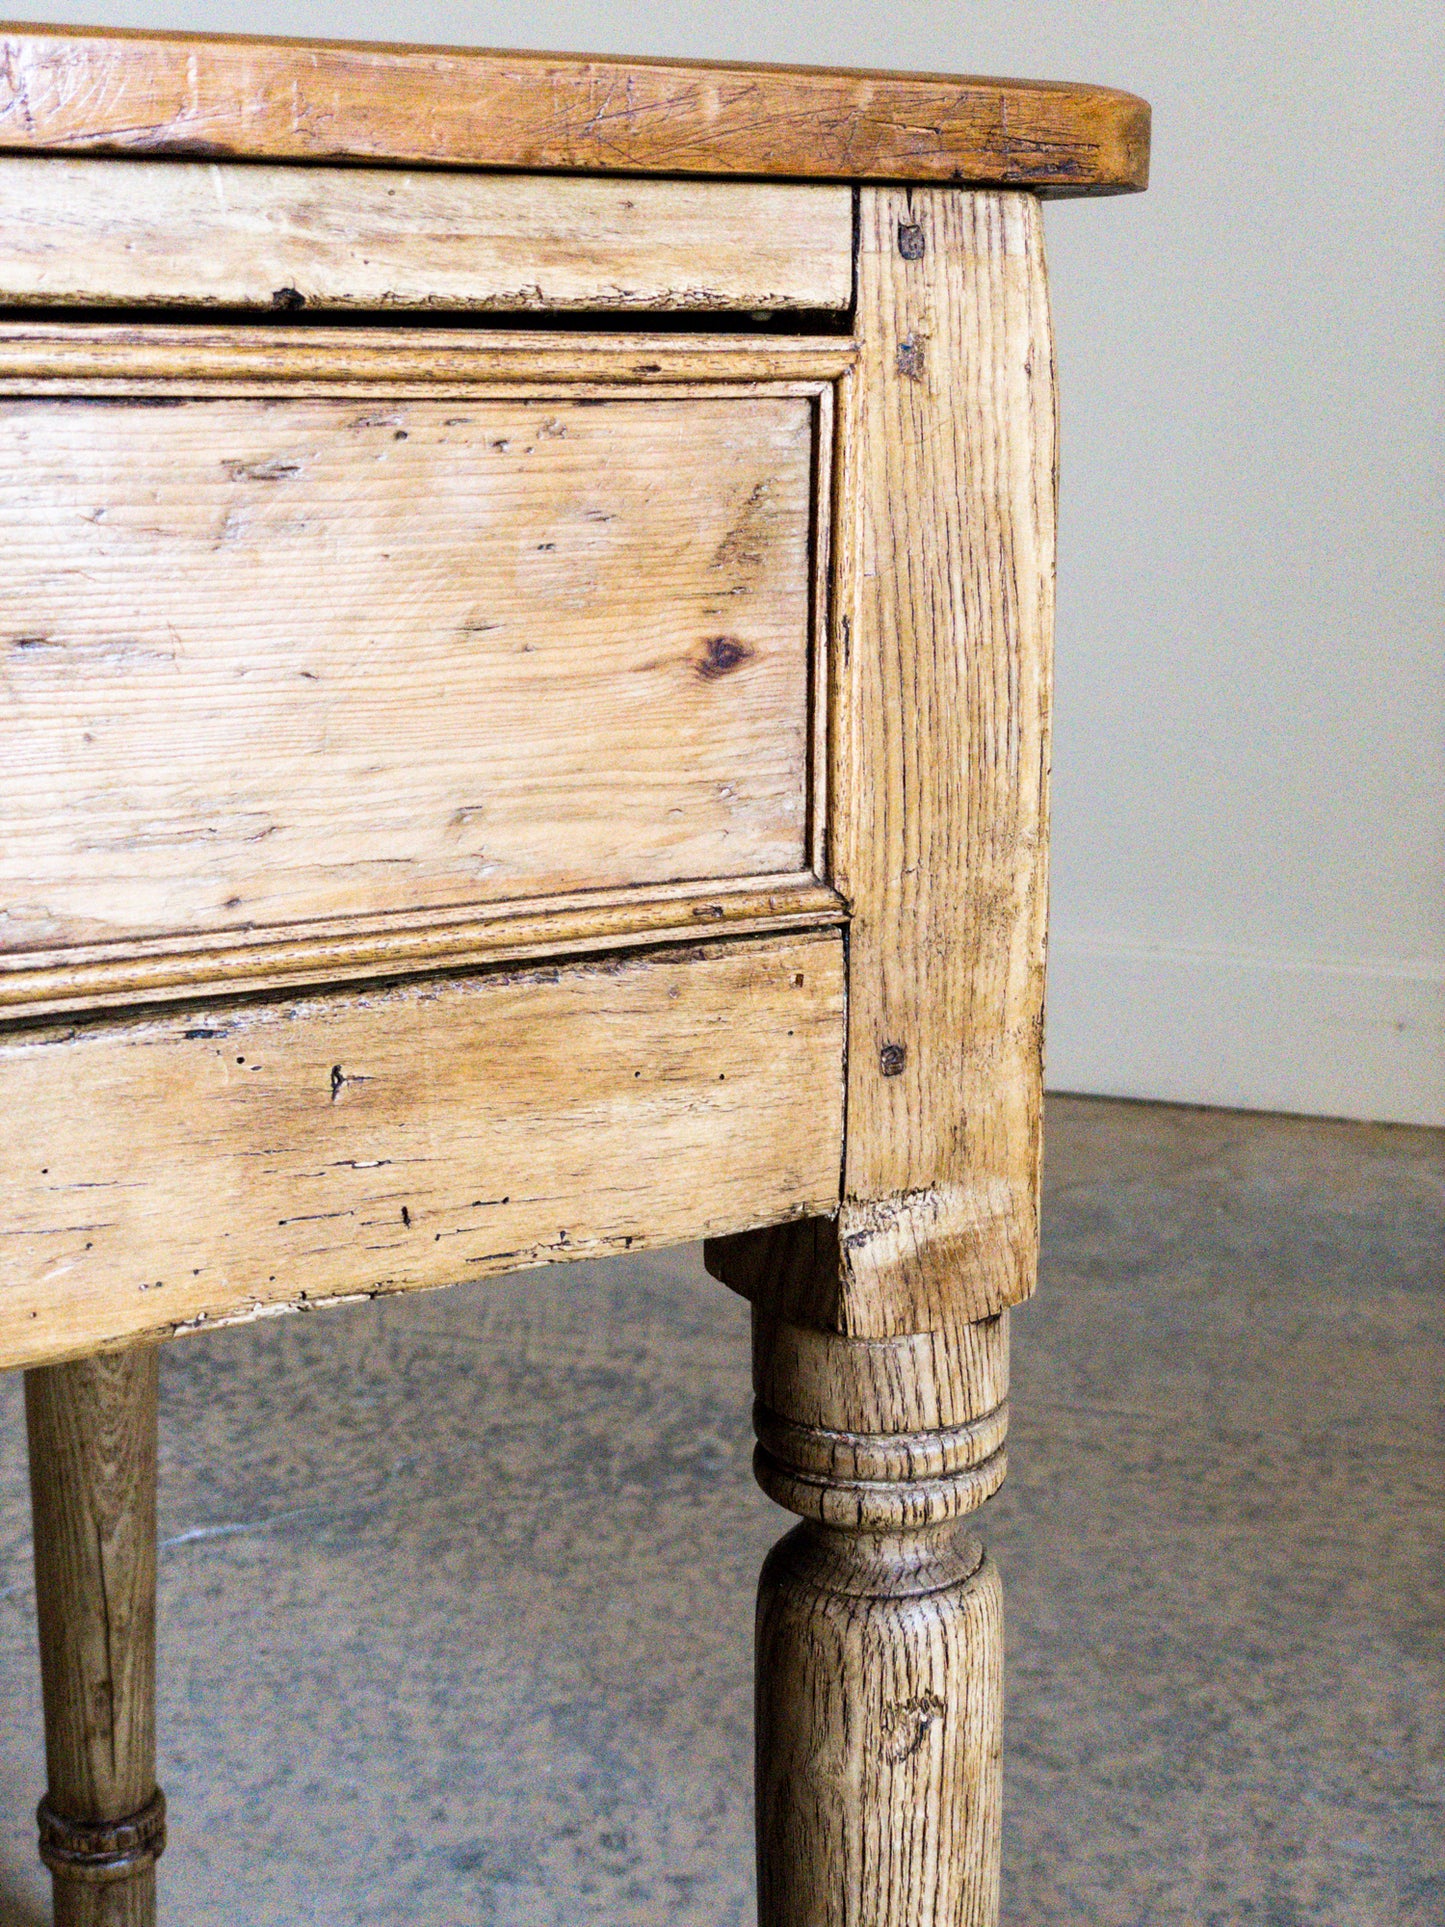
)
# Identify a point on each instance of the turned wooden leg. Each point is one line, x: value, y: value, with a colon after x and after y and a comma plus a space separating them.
x: 92, y: 1428
x: 879, y: 1667
x: 881, y: 1330
x: 880, y: 1624
x: 879, y: 1714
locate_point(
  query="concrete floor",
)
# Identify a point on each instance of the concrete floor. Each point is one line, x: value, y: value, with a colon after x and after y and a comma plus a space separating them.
x: 456, y: 1592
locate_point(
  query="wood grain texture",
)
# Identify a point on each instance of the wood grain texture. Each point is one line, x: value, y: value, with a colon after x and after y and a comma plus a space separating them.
x: 103, y: 1871
x: 970, y: 1462
x: 939, y: 760
x: 180, y: 1170
x: 119, y: 1903
x: 270, y: 661
x: 165, y: 359
x: 101, y: 976
x: 82, y: 90
x: 879, y: 1631
x: 912, y: 1382
x: 881, y: 1333
x: 939, y: 808
x: 92, y: 1433
x: 879, y: 1724
x: 125, y: 233
x: 127, y: 1903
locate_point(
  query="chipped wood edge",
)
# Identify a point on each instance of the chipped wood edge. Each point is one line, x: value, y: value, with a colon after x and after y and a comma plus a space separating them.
x: 594, y: 1076
x: 941, y: 755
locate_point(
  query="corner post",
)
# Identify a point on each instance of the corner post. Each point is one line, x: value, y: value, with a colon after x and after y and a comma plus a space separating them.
x: 881, y: 1336
x: 93, y: 1434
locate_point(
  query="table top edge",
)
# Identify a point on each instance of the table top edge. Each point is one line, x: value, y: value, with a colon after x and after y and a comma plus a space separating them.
x: 83, y: 90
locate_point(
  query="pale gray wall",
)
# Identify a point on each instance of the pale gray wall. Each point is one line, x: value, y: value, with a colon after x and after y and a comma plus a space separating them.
x: 1249, y: 892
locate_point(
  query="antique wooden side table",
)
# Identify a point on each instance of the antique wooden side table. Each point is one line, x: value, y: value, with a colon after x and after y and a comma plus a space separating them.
x: 525, y: 716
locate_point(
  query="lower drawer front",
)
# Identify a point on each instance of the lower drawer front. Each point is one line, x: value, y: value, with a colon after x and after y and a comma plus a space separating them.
x: 168, y: 1173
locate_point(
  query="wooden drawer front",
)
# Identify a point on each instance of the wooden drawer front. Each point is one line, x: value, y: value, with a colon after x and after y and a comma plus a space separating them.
x: 138, y: 233
x: 208, y: 1163
x: 277, y: 659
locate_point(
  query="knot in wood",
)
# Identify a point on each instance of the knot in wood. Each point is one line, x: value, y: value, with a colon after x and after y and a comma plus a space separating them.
x: 102, y: 1849
x: 720, y: 655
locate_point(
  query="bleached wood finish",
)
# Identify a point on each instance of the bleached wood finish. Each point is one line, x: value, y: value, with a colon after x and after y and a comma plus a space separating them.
x: 940, y: 799
x: 881, y: 1334
x: 938, y: 812
x: 269, y: 662
x: 880, y: 1639
x: 933, y: 1379
x: 879, y: 1643
x: 92, y: 1429
x: 227, y: 1159
x: 114, y: 232
x: 167, y: 360
x: 37, y: 983
x: 304, y: 585
x: 83, y: 90
x: 879, y: 1712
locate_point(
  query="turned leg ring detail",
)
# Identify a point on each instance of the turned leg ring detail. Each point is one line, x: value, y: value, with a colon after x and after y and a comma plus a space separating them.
x: 103, y: 1849
x: 871, y: 1482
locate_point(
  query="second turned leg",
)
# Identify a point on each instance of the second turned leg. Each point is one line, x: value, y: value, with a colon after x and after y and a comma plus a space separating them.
x: 92, y: 1432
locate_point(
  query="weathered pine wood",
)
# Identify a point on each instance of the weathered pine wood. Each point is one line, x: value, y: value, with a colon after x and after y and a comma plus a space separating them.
x: 166, y: 360
x: 879, y: 1722
x: 881, y: 1333
x: 92, y: 1428
x: 938, y: 812
x: 82, y: 90
x: 880, y: 1650
x: 119, y: 233
x: 179, y: 1170
x: 270, y: 661
x: 337, y: 653
x: 939, y: 817
x: 937, y: 1378
x: 36, y: 983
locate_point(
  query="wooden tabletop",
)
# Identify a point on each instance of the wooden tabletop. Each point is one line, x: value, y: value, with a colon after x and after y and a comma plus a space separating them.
x: 101, y: 91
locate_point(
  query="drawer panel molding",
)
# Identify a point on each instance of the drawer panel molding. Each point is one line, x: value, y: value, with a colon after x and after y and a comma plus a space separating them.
x: 89, y: 977
x: 307, y: 681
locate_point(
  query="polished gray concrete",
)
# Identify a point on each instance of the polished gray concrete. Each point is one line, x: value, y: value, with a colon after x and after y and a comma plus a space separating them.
x: 456, y: 1592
